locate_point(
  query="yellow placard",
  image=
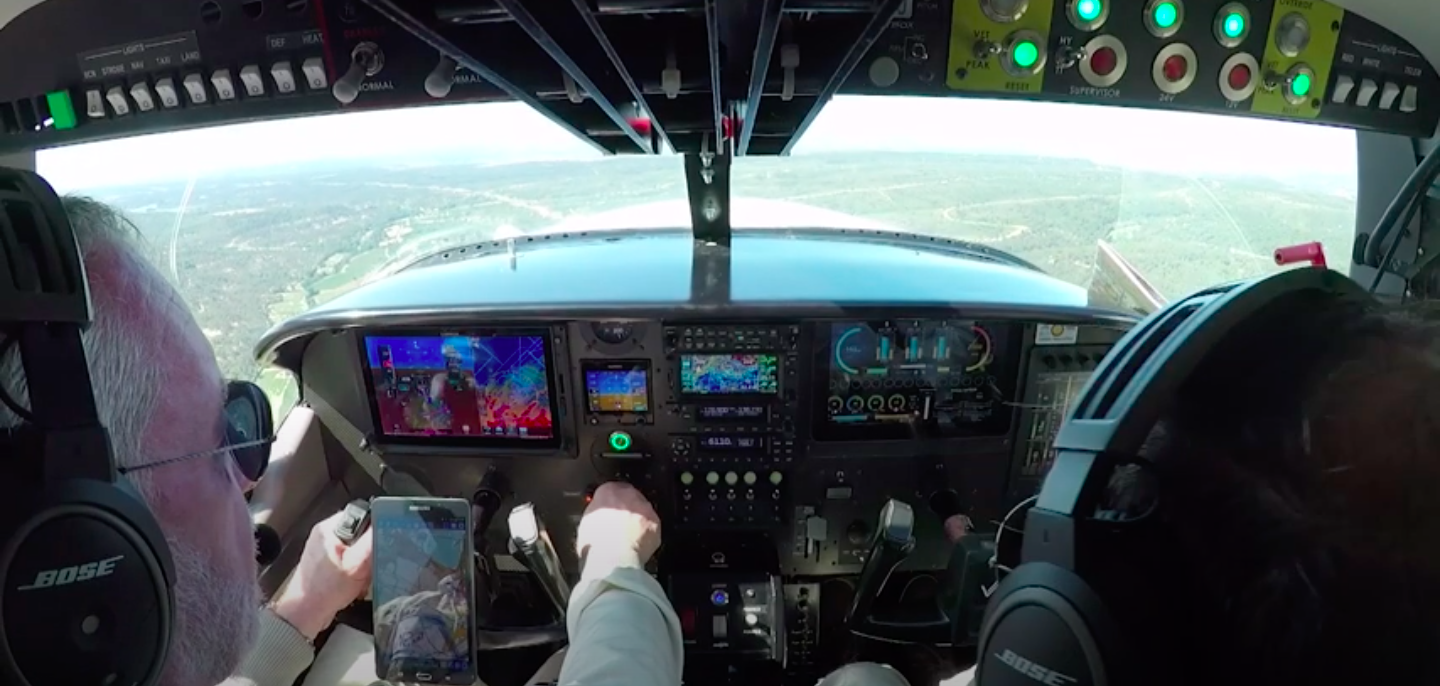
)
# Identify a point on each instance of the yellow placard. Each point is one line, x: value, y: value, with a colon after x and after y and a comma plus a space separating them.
x: 970, y: 26
x: 1324, y: 20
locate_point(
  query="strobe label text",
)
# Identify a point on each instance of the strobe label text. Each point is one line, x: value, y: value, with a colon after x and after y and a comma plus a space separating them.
x: 65, y: 576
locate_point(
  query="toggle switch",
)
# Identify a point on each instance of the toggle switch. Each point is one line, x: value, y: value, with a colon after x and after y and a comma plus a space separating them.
x: 441, y: 78
x: 366, y: 60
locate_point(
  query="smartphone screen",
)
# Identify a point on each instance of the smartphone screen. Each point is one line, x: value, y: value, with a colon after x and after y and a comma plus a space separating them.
x: 422, y: 588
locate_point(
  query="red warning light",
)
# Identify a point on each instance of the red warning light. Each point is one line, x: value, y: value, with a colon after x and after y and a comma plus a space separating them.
x: 1175, y: 68
x: 1239, y: 77
x: 1103, y: 61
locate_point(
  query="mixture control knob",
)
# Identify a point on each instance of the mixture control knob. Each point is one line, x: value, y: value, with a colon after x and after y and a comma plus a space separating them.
x: 857, y: 532
x: 441, y: 78
x: 366, y: 60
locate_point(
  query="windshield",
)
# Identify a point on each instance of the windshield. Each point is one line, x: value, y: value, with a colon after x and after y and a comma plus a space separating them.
x: 256, y: 223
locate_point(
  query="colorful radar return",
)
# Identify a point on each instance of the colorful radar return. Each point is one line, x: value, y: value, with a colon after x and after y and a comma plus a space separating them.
x: 483, y: 388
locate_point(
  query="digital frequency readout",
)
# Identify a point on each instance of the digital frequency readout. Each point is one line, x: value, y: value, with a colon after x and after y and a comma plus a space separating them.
x: 468, y: 386
x: 729, y: 374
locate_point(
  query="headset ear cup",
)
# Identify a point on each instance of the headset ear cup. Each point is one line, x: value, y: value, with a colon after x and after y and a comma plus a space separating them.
x: 1044, y: 623
x: 86, y: 586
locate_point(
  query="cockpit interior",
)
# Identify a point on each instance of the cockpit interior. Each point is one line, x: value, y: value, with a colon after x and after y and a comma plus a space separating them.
x: 792, y: 393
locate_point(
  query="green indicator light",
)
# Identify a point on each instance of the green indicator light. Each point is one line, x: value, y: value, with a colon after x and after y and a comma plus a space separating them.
x: 1300, y: 85
x: 62, y: 110
x: 1165, y: 15
x: 1234, y: 25
x: 620, y: 441
x: 1025, y: 54
x: 1087, y: 10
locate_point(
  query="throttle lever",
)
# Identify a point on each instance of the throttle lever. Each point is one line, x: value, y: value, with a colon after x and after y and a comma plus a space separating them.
x: 893, y: 541
x: 532, y: 544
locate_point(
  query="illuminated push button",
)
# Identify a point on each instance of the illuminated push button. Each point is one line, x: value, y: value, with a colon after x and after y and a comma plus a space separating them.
x: 1106, y: 62
x: 750, y: 478
x: 194, y: 85
x: 776, y: 478
x: 1103, y: 61
x: 1232, y: 24
x: 712, y: 478
x: 1088, y: 15
x: 165, y: 90
x: 1174, y: 68
x: 140, y: 93
x: 731, y: 478
x: 118, y: 103
x: 1164, y: 17
x: 253, y: 81
x: 1292, y: 34
x: 719, y: 597
x: 223, y: 83
x: 1024, y: 53
x: 1299, y: 83
x: 620, y: 441
x: 686, y: 478
x: 1238, y: 77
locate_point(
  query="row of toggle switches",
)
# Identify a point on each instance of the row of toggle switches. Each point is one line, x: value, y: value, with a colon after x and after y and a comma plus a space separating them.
x: 1365, y: 94
x: 166, y: 96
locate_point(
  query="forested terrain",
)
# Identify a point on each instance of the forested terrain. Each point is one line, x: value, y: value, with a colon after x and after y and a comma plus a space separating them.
x: 253, y: 249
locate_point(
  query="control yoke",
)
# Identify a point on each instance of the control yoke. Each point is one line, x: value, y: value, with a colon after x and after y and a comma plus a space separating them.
x: 894, y: 540
x: 532, y: 545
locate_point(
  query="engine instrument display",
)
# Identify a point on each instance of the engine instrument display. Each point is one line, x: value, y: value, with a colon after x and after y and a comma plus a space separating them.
x: 891, y: 380
x: 729, y: 374
x: 469, y: 389
x: 618, y: 387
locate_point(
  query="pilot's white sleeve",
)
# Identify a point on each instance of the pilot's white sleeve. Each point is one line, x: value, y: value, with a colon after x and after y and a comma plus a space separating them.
x: 623, y: 630
x: 280, y: 654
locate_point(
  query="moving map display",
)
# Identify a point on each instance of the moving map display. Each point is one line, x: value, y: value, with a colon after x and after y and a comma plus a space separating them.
x: 481, y: 388
x: 730, y: 374
x: 891, y: 380
x: 422, y: 587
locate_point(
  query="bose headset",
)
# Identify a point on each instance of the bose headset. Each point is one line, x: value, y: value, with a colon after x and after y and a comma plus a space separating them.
x: 1049, y: 620
x: 86, y: 578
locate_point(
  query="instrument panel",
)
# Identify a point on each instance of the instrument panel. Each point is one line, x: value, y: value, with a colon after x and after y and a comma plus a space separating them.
x: 789, y: 435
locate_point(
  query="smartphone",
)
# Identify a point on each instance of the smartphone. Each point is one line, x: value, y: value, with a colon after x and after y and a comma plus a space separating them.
x: 423, y: 590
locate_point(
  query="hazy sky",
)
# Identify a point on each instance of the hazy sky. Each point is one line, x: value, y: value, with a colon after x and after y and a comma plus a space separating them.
x: 1169, y: 141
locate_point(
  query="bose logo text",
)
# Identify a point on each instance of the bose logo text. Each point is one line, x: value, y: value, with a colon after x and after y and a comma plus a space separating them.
x: 1038, y: 672
x: 65, y: 576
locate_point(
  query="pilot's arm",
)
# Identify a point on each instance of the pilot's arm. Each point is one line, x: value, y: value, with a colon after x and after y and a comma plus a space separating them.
x: 623, y: 631
x: 329, y: 576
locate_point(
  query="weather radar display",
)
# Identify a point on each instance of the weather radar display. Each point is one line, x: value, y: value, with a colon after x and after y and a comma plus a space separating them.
x: 493, y: 386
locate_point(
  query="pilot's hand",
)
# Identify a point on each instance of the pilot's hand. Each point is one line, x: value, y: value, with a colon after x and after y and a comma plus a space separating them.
x: 329, y: 577
x: 620, y: 527
x: 957, y: 526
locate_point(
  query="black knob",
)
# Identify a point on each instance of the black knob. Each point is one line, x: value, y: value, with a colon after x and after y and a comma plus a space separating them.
x: 857, y: 532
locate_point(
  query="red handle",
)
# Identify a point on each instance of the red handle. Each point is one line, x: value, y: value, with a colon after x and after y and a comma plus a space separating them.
x: 1312, y: 252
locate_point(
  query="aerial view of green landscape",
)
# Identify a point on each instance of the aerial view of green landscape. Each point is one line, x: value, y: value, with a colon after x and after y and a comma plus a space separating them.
x: 257, y: 223
x: 252, y: 250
